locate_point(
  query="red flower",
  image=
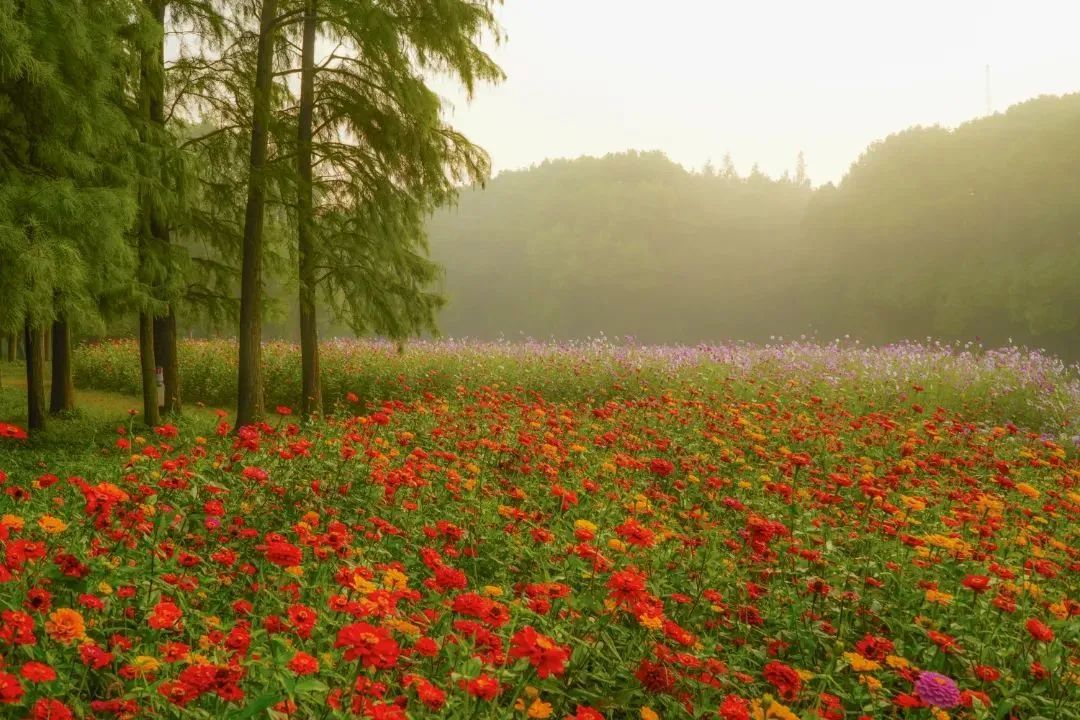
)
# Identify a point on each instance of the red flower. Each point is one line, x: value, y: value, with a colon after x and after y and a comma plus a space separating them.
x: 1039, y: 631
x: 37, y: 672
x: 977, y: 583
x: 282, y: 553
x: 13, y: 432
x: 783, y: 678
x: 426, y: 647
x: 626, y: 586
x: 165, y: 616
x: 49, y: 709
x: 635, y: 533
x: 655, y: 677
x: 987, y: 673
x: 303, y: 664
x: 584, y: 712
x: 302, y: 619
x: 875, y: 648
x: 661, y: 467
x: 542, y: 652
x: 372, y: 645
x: 483, y: 686
x: 734, y: 708
x: 430, y: 695
x: 10, y: 689
x: 177, y: 692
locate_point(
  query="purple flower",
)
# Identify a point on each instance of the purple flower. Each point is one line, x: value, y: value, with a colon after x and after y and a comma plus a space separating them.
x: 938, y: 690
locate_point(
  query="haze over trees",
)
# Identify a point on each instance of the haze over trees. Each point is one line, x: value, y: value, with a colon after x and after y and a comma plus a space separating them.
x: 962, y: 234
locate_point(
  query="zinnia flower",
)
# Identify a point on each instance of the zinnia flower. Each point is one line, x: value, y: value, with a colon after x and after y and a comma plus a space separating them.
x: 1039, y: 631
x: 66, y: 626
x: 783, y: 678
x: 937, y: 689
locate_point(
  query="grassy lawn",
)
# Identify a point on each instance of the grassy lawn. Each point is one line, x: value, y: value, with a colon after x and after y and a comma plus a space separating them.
x: 91, y: 426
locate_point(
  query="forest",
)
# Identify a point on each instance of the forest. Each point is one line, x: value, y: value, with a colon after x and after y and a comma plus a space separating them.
x: 967, y: 234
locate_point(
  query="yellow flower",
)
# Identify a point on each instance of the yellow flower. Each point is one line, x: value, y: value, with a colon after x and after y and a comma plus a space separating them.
x: 145, y: 665
x: 647, y: 713
x: 66, y: 626
x: 12, y: 521
x: 362, y: 585
x: 616, y: 544
x: 395, y: 580
x: 1059, y: 610
x: 913, y: 504
x: 1027, y: 490
x: 585, y: 526
x: 104, y: 588
x: 896, y: 662
x: 871, y: 682
x: 403, y: 626
x: 939, y: 598
x: 859, y: 663
x: 651, y: 622
x: 539, y: 709
x: 774, y: 711
x: 51, y: 525
x: 493, y: 591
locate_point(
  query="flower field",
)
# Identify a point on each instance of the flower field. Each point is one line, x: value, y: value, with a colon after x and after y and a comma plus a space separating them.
x: 583, y: 533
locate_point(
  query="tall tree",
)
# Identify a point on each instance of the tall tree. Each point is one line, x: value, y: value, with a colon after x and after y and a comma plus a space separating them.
x: 249, y: 401
x: 166, y: 199
x: 65, y: 197
x: 311, y: 392
x: 375, y: 157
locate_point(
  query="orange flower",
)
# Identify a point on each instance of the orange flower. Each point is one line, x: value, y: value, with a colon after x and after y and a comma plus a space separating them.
x: 66, y: 626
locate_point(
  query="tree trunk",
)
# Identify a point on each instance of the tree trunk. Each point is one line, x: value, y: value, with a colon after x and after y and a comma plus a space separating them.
x: 311, y: 402
x: 165, y: 354
x: 249, y: 397
x: 46, y: 345
x: 165, y: 357
x: 34, y: 347
x: 62, y: 397
x: 149, y: 370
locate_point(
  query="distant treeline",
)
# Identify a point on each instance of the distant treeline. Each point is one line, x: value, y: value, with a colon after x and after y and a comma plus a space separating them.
x: 969, y: 233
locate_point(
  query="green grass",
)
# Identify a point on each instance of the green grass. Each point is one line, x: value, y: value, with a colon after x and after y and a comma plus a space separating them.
x: 69, y: 438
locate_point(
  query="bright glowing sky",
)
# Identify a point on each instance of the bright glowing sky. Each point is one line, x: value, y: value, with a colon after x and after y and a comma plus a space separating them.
x: 761, y: 79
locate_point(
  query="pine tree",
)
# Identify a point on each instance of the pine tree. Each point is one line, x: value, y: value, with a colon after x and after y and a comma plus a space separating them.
x: 375, y: 157
x: 65, y: 197
x: 249, y: 401
x: 165, y: 196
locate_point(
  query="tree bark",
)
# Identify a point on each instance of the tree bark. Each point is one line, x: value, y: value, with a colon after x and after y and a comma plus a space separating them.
x: 149, y: 370
x: 33, y: 339
x: 166, y: 358
x: 311, y: 402
x: 62, y: 396
x: 165, y: 354
x: 46, y: 345
x: 249, y: 397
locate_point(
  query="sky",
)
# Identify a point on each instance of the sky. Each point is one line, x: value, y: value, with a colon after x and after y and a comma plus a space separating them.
x: 759, y: 79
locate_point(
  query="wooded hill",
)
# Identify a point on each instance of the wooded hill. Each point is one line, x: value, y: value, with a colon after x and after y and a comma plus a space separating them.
x: 966, y: 233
